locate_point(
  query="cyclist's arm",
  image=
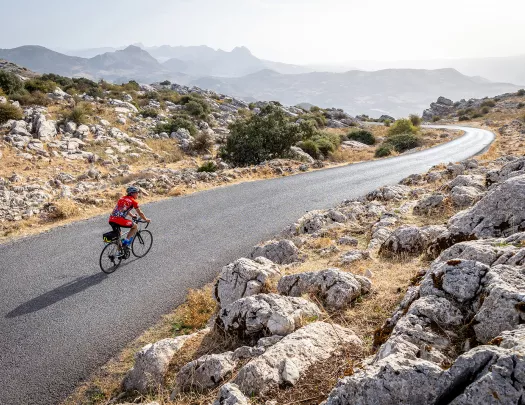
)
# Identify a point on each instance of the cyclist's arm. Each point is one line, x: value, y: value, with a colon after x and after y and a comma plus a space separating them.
x: 141, y: 214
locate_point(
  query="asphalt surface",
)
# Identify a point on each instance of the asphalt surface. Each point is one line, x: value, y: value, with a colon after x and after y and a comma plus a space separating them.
x: 61, y: 317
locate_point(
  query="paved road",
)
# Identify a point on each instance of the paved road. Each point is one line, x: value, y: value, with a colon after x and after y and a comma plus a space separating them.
x: 61, y: 318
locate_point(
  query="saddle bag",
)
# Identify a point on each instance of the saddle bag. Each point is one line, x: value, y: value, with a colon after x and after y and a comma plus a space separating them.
x: 110, y: 236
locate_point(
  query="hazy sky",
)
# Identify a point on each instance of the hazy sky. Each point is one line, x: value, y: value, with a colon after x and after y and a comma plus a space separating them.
x: 294, y: 31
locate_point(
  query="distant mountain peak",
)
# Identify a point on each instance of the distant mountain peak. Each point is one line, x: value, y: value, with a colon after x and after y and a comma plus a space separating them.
x: 241, y: 50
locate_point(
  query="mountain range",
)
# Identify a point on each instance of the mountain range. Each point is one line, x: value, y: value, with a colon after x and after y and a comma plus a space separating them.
x: 239, y: 73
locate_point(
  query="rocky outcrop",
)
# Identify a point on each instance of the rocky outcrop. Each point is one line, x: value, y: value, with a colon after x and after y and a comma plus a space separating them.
x: 429, y: 205
x: 243, y: 278
x: 500, y: 213
x: 265, y: 315
x: 410, y: 240
x: 205, y: 373
x: 314, y: 221
x: 335, y: 288
x: 298, y: 154
x: 389, y: 193
x: 286, y: 361
x: 280, y: 252
x: 151, y: 365
x: 231, y: 395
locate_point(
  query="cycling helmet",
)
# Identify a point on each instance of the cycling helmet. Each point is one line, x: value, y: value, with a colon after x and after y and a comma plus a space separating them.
x: 132, y: 189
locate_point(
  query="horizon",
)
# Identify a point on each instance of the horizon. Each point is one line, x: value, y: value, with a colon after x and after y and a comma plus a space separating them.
x: 324, y: 34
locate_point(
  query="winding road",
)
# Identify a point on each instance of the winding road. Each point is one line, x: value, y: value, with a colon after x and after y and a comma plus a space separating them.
x: 61, y: 317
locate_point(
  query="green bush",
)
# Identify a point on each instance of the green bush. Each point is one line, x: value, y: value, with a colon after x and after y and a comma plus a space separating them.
x: 9, y: 112
x: 310, y: 147
x: 314, y: 109
x: 520, y: 105
x: 196, y: 106
x: 308, y: 129
x: 10, y: 83
x: 251, y: 106
x: 521, y: 92
x: 79, y: 114
x: 261, y: 137
x: 383, y: 150
x: 195, y: 109
x: 165, y: 83
x: 60, y: 80
x: 202, y: 143
x: 402, y: 126
x: 415, y: 120
x: 325, y: 145
x: 403, y: 142
x: 44, y: 86
x: 176, y: 123
x: 477, y: 115
x: 459, y: 113
x: 464, y: 118
x: 485, y: 110
x: 488, y: 103
x: 149, y: 112
x: 436, y: 118
x: 208, y: 167
x: 387, y: 123
x: 362, y: 136
x: 35, y: 98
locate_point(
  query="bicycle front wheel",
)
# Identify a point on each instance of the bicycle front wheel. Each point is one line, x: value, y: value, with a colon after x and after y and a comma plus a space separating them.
x: 142, y: 243
x: 110, y: 258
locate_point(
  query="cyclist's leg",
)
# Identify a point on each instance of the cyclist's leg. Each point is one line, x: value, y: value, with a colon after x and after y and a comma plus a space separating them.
x: 133, y: 231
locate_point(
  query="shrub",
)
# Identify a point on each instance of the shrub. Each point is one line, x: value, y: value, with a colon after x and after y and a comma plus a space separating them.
x: 520, y: 105
x: 464, y: 118
x: 477, y: 115
x: 208, y: 167
x: 10, y: 83
x: 488, y: 103
x: 521, y: 92
x: 165, y: 83
x: 485, y: 110
x: 202, y: 143
x: 415, y: 120
x: 403, y: 126
x: 149, y: 112
x: 363, y: 136
x: 251, y: 106
x: 35, y: 98
x: 9, y: 112
x: 403, y: 142
x: 459, y: 113
x: 63, y: 208
x: 387, y: 123
x: 314, y: 109
x: 436, y: 118
x: 79, y: 114
x: 176, y: 123
x: 325, y: 145
x: 196, y: 109
x: 265, y: 136
x: 44, y: 86
x: 308, y: 129
x: 61, y: 80
x: 310, y: 147
x: 383, y: 150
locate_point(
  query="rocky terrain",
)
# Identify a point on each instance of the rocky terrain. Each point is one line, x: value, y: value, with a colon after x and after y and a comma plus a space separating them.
x: 414, y: 293
x: 70, y: 152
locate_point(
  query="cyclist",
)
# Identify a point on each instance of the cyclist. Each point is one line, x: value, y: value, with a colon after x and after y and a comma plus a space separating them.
x: 118, y: 218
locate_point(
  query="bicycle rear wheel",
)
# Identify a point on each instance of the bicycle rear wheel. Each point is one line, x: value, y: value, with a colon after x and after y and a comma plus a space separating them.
x: 142, y: 243
x: 110, y: 258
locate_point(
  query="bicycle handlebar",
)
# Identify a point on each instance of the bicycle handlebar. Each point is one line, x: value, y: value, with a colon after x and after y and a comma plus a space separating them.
x: 140, y: 221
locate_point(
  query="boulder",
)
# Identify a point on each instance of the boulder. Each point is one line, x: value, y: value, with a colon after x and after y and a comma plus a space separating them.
x: 265, y: 315
x: 299, y: 154
x: 243, y: 278
x: 511, y: 169
x: 445, y: 101
x: 280, y: 252
x: 410, y: 240
x: 500, y: 212
x: 429, y: 205
x: 465, y: 196
x: 468, y: 180
x: 354, y: 256
x: 230, y: 394
x: 389, y: 193
x: 205, y: 373
x: 314, y: 221
x: 46, y: 130
x: 335, y: 288
x: 151, y: 365
x: 286, y: 361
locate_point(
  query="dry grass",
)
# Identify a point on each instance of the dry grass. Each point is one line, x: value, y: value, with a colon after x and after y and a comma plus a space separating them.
x: 64, y: 208
x: 189, y: 317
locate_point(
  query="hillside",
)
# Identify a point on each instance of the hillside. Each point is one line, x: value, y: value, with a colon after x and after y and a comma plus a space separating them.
x: 396, y: 92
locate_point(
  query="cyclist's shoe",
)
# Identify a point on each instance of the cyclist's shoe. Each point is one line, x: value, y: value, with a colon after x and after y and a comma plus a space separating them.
x: 127, y: 242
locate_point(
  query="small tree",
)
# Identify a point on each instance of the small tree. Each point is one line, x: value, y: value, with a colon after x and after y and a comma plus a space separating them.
x: 521, y: 92
x: 403, y: 126
x: 165, y: 83
x: 10, y: 83
x: 415, y: 120
x: 261, y: 137
x: 362, y: 136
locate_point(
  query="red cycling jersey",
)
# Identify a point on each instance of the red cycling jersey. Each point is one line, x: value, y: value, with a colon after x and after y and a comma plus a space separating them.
x: 121, y: 211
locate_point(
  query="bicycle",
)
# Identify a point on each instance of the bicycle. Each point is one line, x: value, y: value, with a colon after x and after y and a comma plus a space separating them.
x: 114, y: 252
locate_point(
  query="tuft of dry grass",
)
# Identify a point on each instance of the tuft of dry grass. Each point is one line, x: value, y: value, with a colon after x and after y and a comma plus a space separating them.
x: 64, y: 208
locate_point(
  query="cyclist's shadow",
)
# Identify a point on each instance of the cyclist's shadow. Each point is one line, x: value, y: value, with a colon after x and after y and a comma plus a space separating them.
x: 58, y: 294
